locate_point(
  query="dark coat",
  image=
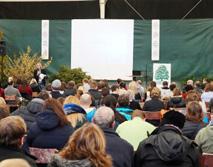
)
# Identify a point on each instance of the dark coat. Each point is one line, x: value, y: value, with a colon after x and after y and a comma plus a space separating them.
x: 153, y: 105
x: 9, y: 153
x: 121, y: 151
x: 96, y: 95
x: 167, y: 147
x: 28, y: 113
x: 46, y: 132
x: 56, y: 94
x: 176, y: 102
x: 191, y: 129
x: 69, y: 92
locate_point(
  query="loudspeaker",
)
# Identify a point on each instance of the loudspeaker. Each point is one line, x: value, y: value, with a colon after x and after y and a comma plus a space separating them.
x: 136, y: 73
x: 2, y: 48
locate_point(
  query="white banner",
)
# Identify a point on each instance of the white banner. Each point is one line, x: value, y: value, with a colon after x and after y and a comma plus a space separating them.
x: 161, y: 72
x: 155, y: 40
x: 45, y: 39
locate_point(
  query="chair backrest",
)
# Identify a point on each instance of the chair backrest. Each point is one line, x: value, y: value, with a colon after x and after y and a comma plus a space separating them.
x: 154, y: 115
x: 43, y: 155
x: 11, y: 100
x: 207, y: 160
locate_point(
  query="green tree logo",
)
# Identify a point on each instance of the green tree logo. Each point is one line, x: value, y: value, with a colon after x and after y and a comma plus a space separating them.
x: 162, y: 73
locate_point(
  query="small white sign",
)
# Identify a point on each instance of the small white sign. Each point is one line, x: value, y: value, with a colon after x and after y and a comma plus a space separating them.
x: 45, y: 39
x: 161, y: 72
x: 155, y: 40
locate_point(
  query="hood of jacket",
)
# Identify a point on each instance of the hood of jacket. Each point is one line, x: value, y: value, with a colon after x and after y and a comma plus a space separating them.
x: 61, y: 162
x: 47, y: 120
x: 35, y: 106
x: 169, y: 144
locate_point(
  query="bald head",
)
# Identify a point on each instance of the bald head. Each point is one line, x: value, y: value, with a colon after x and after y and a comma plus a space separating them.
x: 104, y: 117
x: 85, y: 100
x: 14, y: 162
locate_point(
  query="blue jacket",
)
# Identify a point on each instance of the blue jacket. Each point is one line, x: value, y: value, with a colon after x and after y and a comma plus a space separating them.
x: 125, y: 112
x: 46, y: 132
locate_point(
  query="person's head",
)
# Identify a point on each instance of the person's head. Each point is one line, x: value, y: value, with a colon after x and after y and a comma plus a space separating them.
x: 87, y: 142
x: 56, y: 84
x: 176, y: 92
x: 85, y: 80
x: 192, y: 96
x: 115, y: 88
x: 93, y: 84
x: 70, y: 85
x: 86, y: 100
x: 101, y: 85
x: 172, y: 86
x: 119, y: 81
x: 73, y: 111
x: 138, y: 113
x: 14, y: 162
x: 13, y: 129
x: 39, y: 66
x: 153, y: 84
x: 104, y: 117
x: 190, y: 82
x: 189, y: 88
x: 174, y: 118
x: 123, y: 100
x: 194, y: 112
x: 56, y: 107
x: 110, y: 101
x: 155, y: 93
x: 10, y: 81
x: 43, y: 95
x: 122, y: 85
x: 105, y: 92
x: 165, y: 84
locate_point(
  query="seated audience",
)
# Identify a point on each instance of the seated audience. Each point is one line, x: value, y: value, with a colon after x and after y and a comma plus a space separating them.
x: 165, y: 91
x: 120, y: 150
x: 70, y: 89
x: 28, y: 113
x: 12, y: 130
x: 51, y: 128
x: 176, y: 101
x: 86, y: 102
x: 25, y: 90
x: 56, y: 87
x: 135, y: 130
x: 204, y: 137
x: 93, y: 91
x: 111, y: 101
x: 208, y: 93
x: 34, y: 86
x: 194, y: 117
x: 167, y: 147
x: 123, y: 106
x: 75, y: 114
x: 11, y: 91
x: 154, y: 105
x: 115, y: 90
x: 85, y: 148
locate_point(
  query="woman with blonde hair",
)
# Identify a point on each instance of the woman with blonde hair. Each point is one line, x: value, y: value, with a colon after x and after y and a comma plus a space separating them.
x: 85, y: 148
x: 75, y: 114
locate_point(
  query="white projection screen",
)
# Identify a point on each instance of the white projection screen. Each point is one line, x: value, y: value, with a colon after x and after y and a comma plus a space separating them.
x: 103, y: 48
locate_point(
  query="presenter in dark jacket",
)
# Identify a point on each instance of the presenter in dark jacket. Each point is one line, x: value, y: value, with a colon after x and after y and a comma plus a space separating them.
x: 40, y: 75
x: 51, y: 128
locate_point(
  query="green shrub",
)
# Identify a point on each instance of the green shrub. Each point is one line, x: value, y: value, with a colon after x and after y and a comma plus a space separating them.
x: 66, y: 74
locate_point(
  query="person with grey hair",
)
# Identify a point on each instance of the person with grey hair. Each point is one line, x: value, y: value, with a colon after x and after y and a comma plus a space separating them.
x: 121, y: 151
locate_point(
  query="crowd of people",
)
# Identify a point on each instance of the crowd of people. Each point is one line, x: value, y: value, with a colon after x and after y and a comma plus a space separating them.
x: 97, y: 124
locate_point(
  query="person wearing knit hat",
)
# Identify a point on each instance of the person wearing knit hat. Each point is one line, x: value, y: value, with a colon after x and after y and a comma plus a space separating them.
x: 166, y: 146
x: 56, y: 87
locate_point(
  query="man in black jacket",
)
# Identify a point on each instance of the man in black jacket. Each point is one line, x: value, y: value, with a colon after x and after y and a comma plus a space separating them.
x: 121, y: 151
x: 167, y: 147
x: 12, y: 130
